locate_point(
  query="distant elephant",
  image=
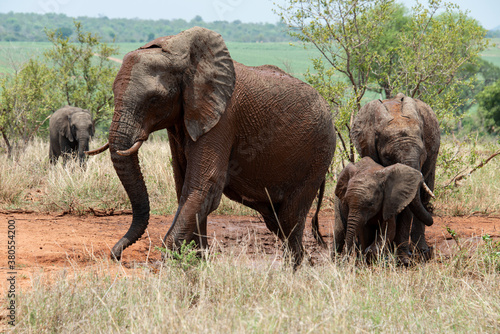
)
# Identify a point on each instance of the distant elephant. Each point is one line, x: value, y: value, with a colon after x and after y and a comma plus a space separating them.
x: 70, y: 131
x: 402, y: 130
x: 256, y: 134
x: 368, y: 197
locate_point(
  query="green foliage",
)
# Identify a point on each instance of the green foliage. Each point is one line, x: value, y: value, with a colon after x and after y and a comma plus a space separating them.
x: 120, y: 30
x: 432, y: 49
x: 345, y: 32
x: 375, y: 45
x: 480, y: 73
x: 489, y: 107
x: 25, y: 104
x: 185, y: 258
x: 491, y: 253
x: 85, y: 74
x: 76, y: 73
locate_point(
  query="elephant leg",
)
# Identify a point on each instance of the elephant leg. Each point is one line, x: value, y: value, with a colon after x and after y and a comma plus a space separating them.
x: 52, y: 157
x: 420, y: 247
x: 402, y: 236
x: 67, y: 148
x: 201, y: 193
x: 339, y: 230
x: 384, y: 235
x: 201, y: 236
x: 292, y: 215
x: 191, y: 221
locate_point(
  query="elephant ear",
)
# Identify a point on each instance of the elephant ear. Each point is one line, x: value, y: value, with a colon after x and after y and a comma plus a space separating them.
x: 209, y: 76
x: 410, y: 108
x: 65, y: 129
x: 365, y: 127
x: 343, y: 180
x: 401, y: 186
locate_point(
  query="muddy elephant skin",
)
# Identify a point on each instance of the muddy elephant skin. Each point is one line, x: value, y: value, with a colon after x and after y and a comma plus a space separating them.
x: 70, y: 131
x: 402, y: 130
x: 256, y: 134
x: 368, y: 197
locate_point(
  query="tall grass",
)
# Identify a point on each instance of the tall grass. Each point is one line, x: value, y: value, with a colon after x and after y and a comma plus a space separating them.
x: 479, y: 191
x: 29, y: 182
x: 235, y: 293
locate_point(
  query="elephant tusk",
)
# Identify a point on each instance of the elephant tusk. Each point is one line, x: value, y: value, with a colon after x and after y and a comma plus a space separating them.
x: 99, y: 150
x: 131, y: 150
x: 428, y: 190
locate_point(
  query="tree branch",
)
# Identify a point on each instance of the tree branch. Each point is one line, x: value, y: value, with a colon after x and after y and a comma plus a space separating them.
x: 464, y: 175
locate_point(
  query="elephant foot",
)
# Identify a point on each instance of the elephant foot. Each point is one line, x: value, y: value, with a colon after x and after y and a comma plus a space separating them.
x: 116, y: 256
x: 403, y: 257
x: 422, y: 254
x: 404, y: 261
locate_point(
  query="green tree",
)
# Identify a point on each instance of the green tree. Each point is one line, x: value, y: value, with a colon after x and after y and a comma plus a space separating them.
x: 374, y: 45
x: 27, y: 100
x: 431, y: 51
x: 489, y: 107
x: 481, y: 73
x: 85, y: 74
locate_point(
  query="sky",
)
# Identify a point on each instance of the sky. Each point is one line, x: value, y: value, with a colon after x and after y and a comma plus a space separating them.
x: 487, y: 12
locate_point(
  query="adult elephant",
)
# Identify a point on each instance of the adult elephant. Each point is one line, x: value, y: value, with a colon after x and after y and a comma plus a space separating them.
x: 256, y: 134
x: 70, y: 131
x: 368, y: 197
x: 402, y: 130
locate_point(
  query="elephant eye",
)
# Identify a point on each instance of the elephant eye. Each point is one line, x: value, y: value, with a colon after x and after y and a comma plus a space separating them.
x: 154, y: 100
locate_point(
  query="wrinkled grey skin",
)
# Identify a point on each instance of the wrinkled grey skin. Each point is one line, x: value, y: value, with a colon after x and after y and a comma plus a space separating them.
x: 368, y: 197
x: 255, y: 134
x: 70, y: 131
x: 402, y: 130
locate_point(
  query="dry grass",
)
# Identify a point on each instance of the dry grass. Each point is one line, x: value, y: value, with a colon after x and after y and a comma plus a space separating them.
x: 235, y: 293
x: 478, y: 192
x: 29, y: 182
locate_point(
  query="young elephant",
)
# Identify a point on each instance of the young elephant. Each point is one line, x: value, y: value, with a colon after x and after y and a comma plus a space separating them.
x: 70, y: 131
x: 368, y: 197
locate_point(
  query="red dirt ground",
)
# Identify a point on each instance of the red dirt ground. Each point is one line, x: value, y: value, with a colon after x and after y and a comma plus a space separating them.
x: 49, y: 242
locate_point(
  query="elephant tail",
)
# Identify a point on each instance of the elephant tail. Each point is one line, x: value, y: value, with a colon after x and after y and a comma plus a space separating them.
x: 315, y: 220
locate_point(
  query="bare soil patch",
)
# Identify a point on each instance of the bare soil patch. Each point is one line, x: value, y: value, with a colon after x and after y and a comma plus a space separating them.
x: 48, y: 243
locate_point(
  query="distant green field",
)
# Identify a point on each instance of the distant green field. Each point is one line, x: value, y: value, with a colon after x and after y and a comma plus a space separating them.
x: 493, y: 53
x: 293, y: 59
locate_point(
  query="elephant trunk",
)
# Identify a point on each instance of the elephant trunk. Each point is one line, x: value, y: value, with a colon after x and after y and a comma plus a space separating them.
x: 353, y: 223
x: 129, y: 172
x: 83, y: 146
x: 419, y: 211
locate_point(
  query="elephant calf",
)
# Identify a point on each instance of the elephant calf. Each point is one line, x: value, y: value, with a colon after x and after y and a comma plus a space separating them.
x: 368, y: 198
x: 70, y: 131
x: 402, y: 130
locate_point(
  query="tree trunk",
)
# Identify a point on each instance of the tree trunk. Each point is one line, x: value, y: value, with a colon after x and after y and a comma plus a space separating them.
x: 7, y: 143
